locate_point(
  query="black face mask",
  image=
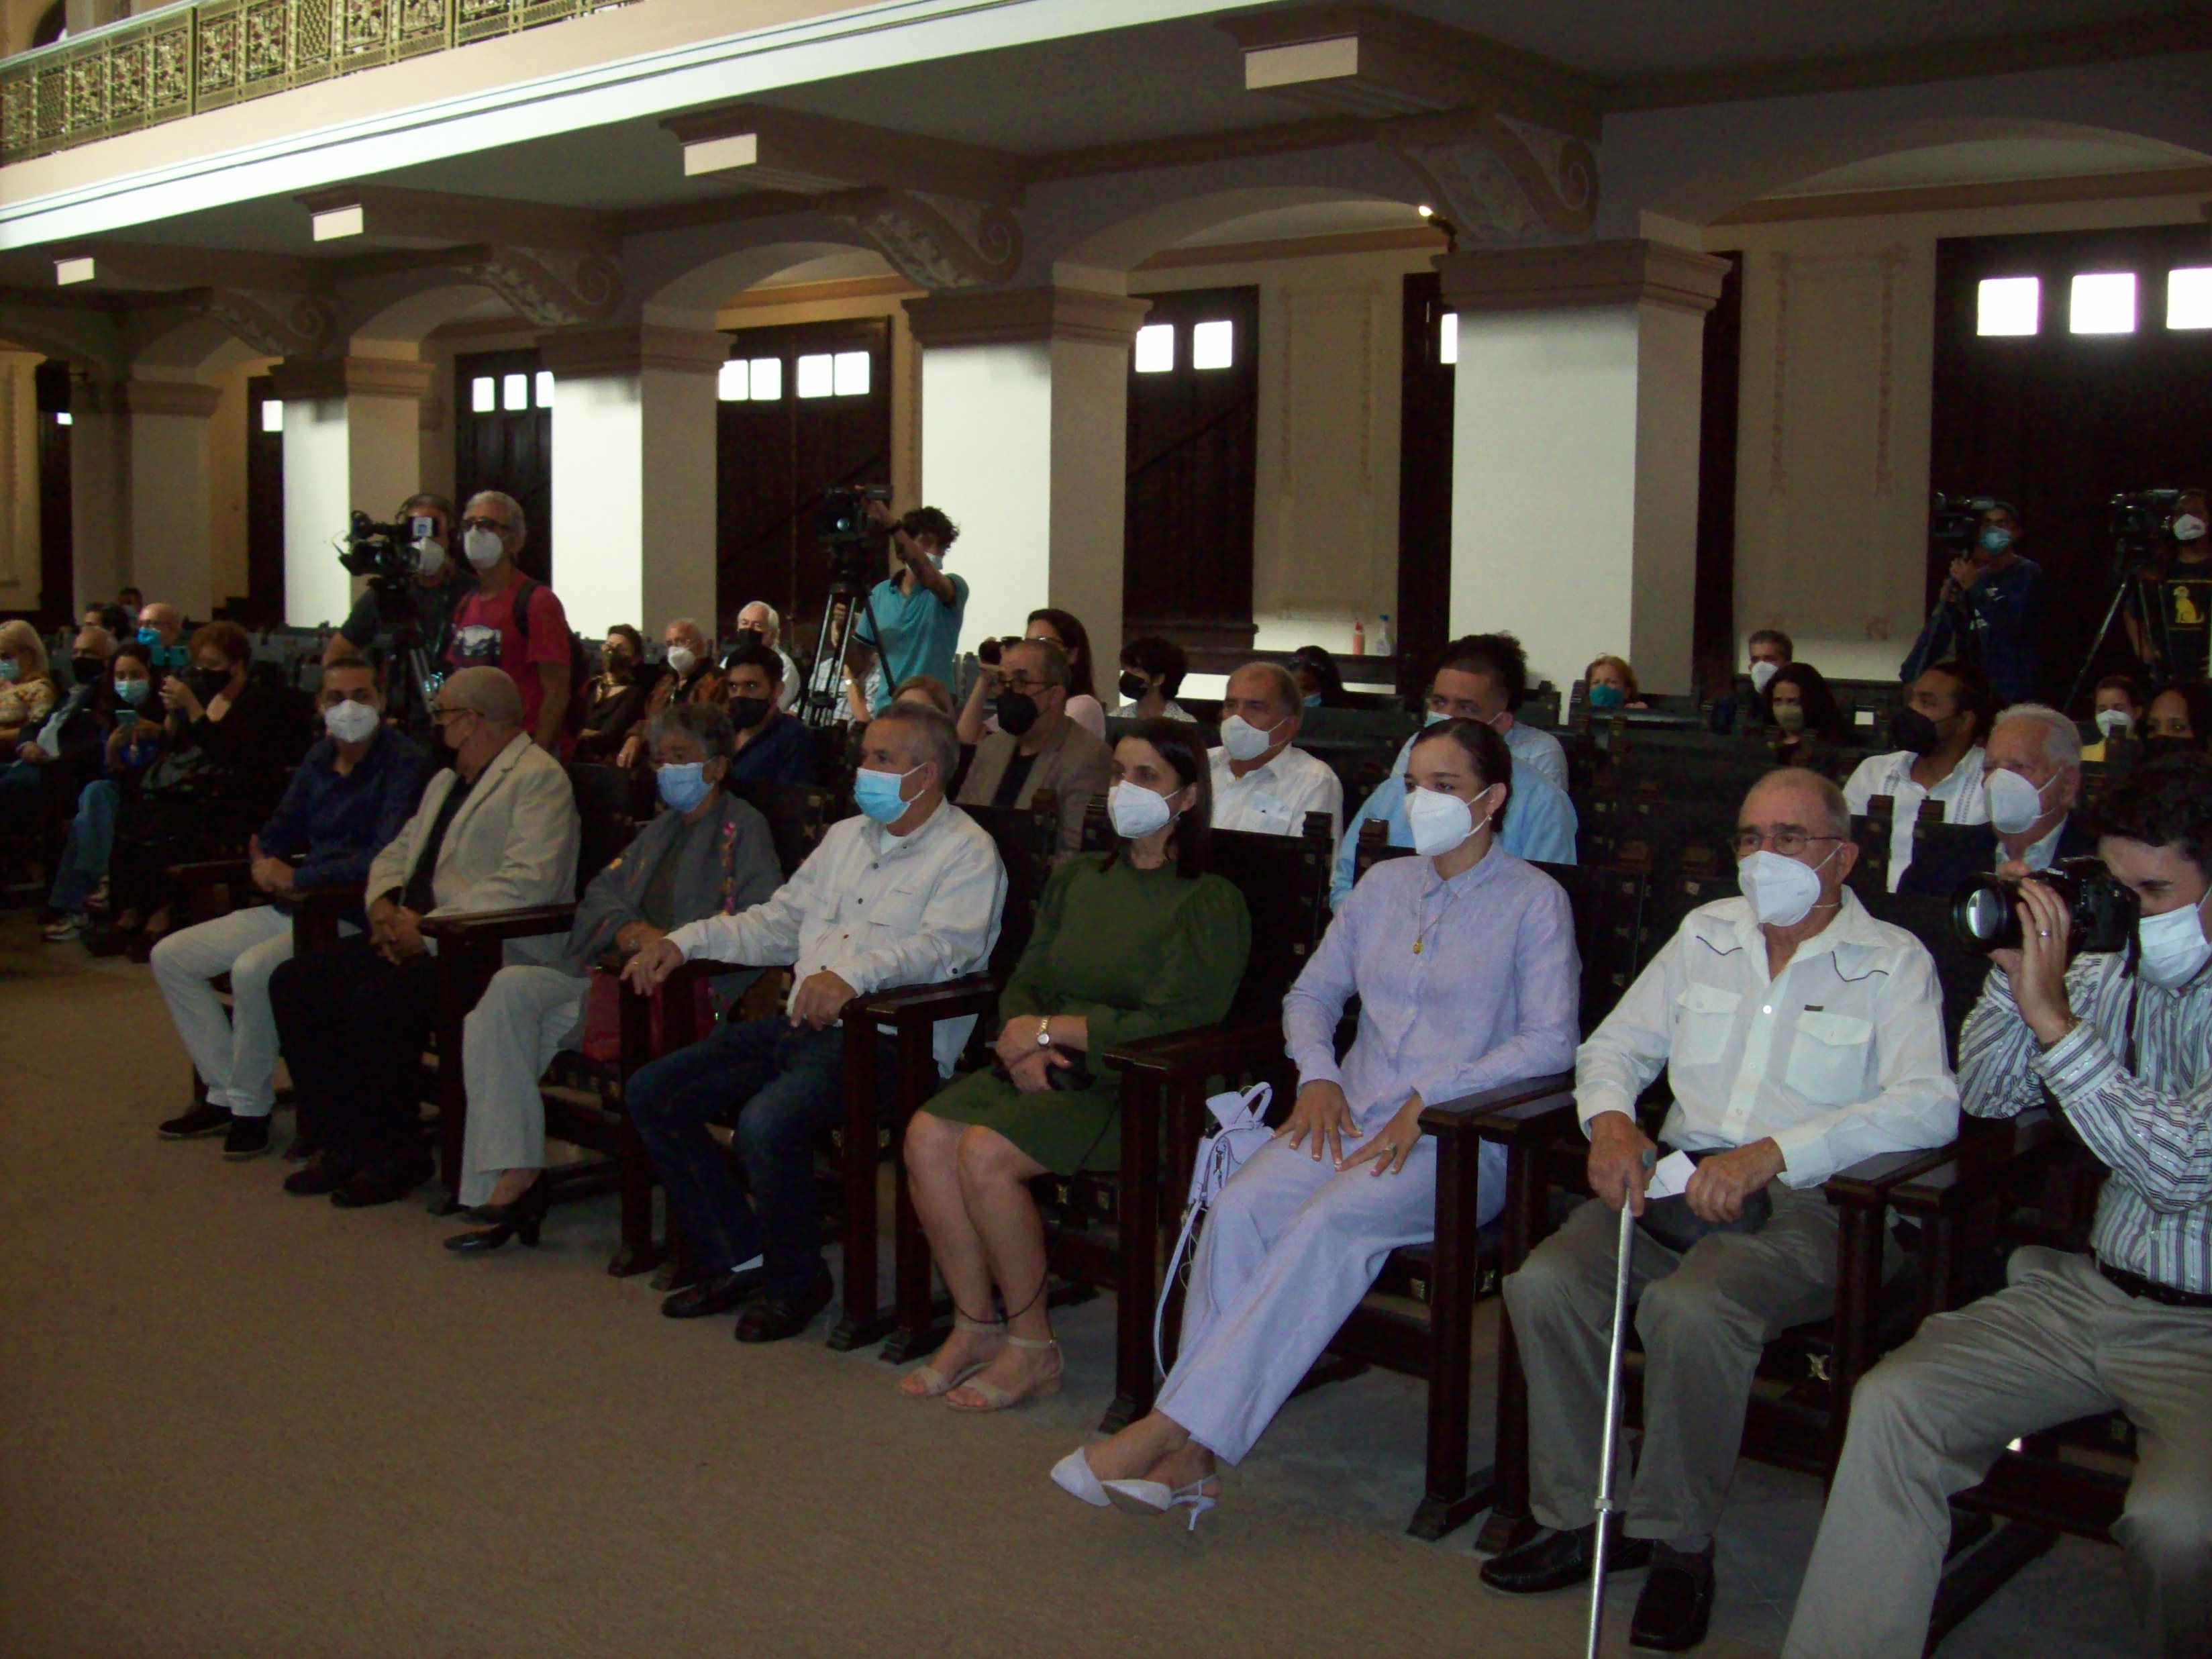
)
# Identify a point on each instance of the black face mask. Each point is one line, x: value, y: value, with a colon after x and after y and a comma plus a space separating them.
x: 2154, y: 747
x: 1133, y: 690
x: 207, y: 682
x: 619, y: 663
x: 1016, y: 711
x: 1914, y: 732
x: 746, y: 712
x: 86, y: 669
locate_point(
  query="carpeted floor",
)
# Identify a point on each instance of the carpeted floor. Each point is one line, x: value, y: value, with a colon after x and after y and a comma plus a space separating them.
x: 237, y: 1423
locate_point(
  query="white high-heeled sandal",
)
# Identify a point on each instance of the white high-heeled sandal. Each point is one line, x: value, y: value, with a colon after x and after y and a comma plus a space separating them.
x: 934, y: 1381
x: 1154, y: 1497
x: 1074, y: 1475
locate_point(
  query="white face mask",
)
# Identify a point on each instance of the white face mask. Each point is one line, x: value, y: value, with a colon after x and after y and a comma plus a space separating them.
x: 484, y: 547
x: 1136, y: 811
x: 1439, y: 822
x: 349, y: 721
x: 682, y: 659
x: 1244, y: 740
x: 2188, y: 528
x: 1782, y: 891
x: 1762, y: 675
x: 2173, y: 945
x: 431, y: 556
x: 2015, y: 803
x: 2114, y: 722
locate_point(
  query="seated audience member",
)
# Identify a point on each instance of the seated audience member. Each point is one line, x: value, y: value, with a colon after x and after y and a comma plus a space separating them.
x: 28, y: 691
x: 1470, y: 682
x: 1152, y: 673
x: 130, y: 599
x: 923, y: 690
x: 907, y: 893
x: 1800, y: 710
x: 1130, y: 942
x: 772, y: 747
x: 1768, y: 650
x: 760, y: 620
x: 122, y: 746
x: 1464, y: 964
x: 1320, y: 683
x: 1800, y: 1037
x: 346, y: 802
x: 691, y: 678
x: 1261, y: 780
x: 1609, y: 683
x: 64, y: 747
x: 1036, y: 745
x: 1938, y: 733
x: 2118, y: 711
x: 225, y: 744
x: 497, y: 831
x: 616, y: 699
x: 161, y: 629
x: 980, y: 716
x: 2122, y: 1041
x: 708, y: 855
x: 2179, y: 721
x: 2032, y: 775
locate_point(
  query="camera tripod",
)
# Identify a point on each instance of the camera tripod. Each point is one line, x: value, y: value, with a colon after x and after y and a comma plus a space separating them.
x: 820, y: 705
x: 2131, y: 575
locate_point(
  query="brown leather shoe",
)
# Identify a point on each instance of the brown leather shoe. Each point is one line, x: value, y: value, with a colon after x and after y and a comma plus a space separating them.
x: 772, y: 1319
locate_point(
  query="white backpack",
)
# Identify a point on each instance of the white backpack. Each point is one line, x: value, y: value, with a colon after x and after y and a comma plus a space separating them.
x: 1240, y: 1130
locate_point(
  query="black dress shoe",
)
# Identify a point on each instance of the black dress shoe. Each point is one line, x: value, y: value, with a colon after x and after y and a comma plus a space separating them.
x: 1554, y: 1560
x: 1677, y: 1603
x: 202, y: 1119
x: 711, y: 1294
x: 771, y: 1319
x: 248, y: 1137
x: 325, y: 1172
x: 385, y: 1181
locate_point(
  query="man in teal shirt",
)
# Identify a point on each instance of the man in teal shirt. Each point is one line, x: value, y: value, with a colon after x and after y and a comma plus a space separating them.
x: 918, y: 610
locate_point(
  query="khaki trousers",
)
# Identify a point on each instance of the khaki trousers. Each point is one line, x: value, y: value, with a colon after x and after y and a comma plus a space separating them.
x: 2059, y: 1342
x: 1703, y: 1316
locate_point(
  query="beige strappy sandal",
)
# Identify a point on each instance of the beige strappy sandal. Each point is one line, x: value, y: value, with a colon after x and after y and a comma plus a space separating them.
x: 996, y: 1399
x: 934, y: 1381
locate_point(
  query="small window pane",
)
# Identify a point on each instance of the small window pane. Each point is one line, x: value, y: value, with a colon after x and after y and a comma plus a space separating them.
x: 851, y: 374
x: 62, y: 417
x: 1447, y: 339
x: 546, y: 388
x: 515, y: 392
x: 815, y: 377
x: 2103, y: 303
x: 731, y: 381
x: 2189, y: 298
x: 1156, y: 349
x: 272, y: 415
x: 767, y: 379
x: 483, y: 396
x: 1214, y: 345
x: 2009, y: 305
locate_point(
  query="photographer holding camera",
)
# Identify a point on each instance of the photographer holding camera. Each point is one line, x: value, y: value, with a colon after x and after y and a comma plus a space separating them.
x: 2122, y: 1039
x: 1990, y: 612
x: 426, y: 600
x: 918, y: 610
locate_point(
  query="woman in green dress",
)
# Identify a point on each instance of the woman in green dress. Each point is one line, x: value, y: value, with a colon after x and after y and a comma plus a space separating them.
x: 1129, y: 944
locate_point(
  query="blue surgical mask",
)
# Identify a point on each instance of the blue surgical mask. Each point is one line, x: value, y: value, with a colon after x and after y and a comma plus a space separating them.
x: 877, y: 793
x: 1606, y: 696
x: 149, y: 636
x: 683, y: 786
x: 10, y: 668
x: 1995, y: 538
x: 1314, y: 701
x: 133, y: 691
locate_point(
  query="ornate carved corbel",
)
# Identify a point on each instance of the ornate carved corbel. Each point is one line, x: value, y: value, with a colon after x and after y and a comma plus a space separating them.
x: 278, y: 324
x: 553, y: 287
x: 1508, y: 181
x: 942, y: 242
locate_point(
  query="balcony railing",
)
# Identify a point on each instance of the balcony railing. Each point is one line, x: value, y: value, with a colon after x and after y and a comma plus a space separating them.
x: 205, y: 54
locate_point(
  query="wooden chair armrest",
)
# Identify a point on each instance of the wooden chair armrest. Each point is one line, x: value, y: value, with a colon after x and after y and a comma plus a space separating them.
x: 212, y: 872
x: 1533, y: 1123
x: 1524, y: 1095
x: 915, y: 1004
x: 1976, y: 1166
x: 1868, y: 1183
x: 1202, y: 1051
x: 346, y: 896
x: 495, y: 927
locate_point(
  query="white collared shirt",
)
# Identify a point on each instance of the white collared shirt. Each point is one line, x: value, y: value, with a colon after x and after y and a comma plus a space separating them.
x: 1963, y: 798
x: 2040, y: 854
x: 878, y: 910
x: 1839, y: 1059
x: 1273, y: 799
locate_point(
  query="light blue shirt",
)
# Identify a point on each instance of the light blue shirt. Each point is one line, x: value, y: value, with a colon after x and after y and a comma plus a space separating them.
x: 1540, y: 819
x: 920, y: 632
x: 1532, y: 746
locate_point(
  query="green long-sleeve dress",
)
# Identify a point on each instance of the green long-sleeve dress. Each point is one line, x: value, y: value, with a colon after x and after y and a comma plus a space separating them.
x: 1138, y: 953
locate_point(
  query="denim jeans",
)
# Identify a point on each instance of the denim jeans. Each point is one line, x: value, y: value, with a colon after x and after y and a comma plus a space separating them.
x: 84, y: 853
x: 781, y: 1087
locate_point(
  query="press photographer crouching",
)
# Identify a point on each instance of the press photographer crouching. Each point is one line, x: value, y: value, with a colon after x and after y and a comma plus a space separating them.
x: 2120, y: 1037
x: 415, y: 584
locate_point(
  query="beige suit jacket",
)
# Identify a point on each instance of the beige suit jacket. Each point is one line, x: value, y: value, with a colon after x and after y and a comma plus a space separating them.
x: 1072, y: 764
x: 512, y: 844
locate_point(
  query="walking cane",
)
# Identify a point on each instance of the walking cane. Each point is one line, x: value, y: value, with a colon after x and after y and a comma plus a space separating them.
x: 1627, y: 1249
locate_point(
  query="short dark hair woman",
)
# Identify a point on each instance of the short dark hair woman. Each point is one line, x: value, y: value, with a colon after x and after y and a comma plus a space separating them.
x: 1130, y: 942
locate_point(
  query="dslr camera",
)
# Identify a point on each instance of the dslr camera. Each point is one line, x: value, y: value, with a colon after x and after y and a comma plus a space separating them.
x: 1985, y: 917
x: 385, y: 550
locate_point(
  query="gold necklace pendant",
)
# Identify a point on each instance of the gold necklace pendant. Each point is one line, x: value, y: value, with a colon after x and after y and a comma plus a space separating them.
x: 1417, y: 947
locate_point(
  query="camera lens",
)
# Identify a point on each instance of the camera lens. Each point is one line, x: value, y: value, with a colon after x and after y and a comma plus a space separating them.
x: 1982, y: 916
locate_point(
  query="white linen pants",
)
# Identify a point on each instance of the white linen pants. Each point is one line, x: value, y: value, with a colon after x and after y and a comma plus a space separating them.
x: 1289, y: 1249
x: 234, y: 1052
x: 529, y: 1015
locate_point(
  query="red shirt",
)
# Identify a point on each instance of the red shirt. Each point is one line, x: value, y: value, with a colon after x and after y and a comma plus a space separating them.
x: 484, y: 636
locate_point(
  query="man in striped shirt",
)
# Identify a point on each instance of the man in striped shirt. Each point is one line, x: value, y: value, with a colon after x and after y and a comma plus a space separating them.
x: 2124, y: 1044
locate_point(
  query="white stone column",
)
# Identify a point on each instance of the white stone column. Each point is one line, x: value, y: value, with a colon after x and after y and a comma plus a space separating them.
x: 1575, y: 450
x: 1024, y: 444
x: 634, y: 474
x: 351, y: 440
x: 100, y: 488
x: 171, y: 517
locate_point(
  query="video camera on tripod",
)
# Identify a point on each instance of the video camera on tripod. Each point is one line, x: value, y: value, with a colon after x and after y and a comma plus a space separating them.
x: 847, y: 534
x: 385, y: 550
x: 1956, y: 522
x: 391, y: 556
